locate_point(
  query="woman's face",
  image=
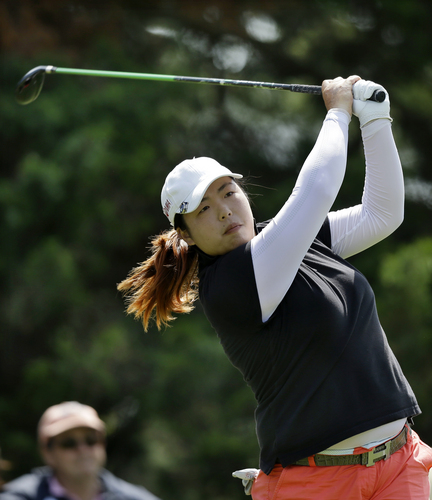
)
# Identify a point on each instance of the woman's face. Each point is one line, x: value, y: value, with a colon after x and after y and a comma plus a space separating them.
x: 222, y: 222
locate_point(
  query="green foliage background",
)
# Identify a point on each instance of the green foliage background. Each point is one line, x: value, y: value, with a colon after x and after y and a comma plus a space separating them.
x: 81, y: 173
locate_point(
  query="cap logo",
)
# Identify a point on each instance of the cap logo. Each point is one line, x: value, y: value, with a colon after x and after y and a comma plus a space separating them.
x: 183, y: 207
x: 166, y: 208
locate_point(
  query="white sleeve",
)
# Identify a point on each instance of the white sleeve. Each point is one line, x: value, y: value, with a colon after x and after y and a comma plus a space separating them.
x: 279, y: 248
x: 382, y: 208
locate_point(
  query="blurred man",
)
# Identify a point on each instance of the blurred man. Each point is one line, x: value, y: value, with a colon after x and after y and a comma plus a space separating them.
x: 4, y: 465
x: 72, y: 444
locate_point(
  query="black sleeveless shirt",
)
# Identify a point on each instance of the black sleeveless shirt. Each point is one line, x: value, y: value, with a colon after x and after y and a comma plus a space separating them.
x: 320, y: 368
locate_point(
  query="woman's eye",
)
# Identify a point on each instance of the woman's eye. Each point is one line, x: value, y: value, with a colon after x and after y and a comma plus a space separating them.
x: 203, y: 209
x: 230, y: 193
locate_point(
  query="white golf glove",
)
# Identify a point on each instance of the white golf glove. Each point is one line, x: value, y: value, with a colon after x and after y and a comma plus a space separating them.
x: 365, y: 110
x: 247, y: 476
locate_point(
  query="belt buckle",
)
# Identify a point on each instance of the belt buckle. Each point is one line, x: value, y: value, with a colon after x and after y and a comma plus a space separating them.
x: 374, y: 456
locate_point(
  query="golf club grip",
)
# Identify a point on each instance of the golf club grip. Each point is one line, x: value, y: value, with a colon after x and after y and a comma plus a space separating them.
x: 377, y: 96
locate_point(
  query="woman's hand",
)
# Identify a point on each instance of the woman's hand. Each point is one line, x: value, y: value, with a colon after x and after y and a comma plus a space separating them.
x: 366, y: 110
x: 338, y: 93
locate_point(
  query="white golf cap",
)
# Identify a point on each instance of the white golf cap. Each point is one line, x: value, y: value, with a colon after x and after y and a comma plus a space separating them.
x: 186, y: 185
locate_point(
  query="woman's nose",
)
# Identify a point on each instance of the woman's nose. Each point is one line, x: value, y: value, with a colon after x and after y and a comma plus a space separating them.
x: 224, y: 213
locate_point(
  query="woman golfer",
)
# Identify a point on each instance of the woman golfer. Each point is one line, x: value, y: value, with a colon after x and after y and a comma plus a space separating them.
x: 299, y: 322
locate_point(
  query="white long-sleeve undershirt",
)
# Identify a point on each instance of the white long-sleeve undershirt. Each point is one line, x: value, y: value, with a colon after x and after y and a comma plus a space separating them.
x: 280, y: 247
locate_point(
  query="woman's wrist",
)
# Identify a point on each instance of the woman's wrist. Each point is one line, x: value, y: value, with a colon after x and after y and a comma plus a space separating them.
x: 339, y: 111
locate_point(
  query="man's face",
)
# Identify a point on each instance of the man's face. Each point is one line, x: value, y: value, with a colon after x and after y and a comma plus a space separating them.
x: 76, y: 454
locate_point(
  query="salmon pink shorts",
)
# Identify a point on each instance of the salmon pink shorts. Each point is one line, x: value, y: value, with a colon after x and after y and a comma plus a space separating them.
x: 404, y: 476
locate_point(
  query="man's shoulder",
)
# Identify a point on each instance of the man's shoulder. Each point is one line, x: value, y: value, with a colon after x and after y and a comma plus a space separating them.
x: 26, y: 486
x: 127, y: 491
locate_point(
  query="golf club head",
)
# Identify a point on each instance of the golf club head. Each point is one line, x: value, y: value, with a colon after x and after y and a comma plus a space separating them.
x: 30, y: 85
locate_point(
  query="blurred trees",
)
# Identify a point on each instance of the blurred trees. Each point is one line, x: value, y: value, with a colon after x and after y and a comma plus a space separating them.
x: 81, y: 173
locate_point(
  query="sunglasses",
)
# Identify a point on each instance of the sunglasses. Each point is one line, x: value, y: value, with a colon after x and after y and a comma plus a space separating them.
x: 72, y: 443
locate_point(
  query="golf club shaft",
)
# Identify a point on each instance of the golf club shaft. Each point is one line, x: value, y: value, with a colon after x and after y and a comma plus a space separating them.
x: 306, y: 89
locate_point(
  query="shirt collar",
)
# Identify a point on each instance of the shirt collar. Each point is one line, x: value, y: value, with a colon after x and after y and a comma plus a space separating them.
x: 58, y: 491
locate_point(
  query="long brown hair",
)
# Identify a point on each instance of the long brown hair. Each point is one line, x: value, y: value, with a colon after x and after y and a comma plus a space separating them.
x: 165, y: 283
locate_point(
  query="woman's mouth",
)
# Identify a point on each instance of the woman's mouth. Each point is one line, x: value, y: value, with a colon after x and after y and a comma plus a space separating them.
x: 232, y: 228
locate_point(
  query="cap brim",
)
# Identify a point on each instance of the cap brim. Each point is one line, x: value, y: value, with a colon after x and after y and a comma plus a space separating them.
x: 195, y: 198
x: 71, y: 422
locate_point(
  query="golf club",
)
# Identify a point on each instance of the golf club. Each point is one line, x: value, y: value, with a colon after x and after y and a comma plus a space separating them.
x: 30, y: 85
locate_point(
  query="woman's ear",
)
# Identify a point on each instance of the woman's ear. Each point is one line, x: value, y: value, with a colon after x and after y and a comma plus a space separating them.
x: 184, y: 235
